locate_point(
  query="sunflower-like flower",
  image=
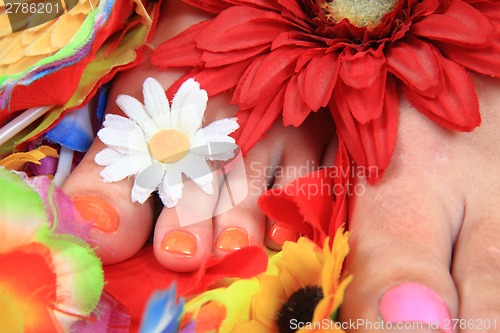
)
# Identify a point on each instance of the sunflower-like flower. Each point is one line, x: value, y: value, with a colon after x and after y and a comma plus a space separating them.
x: 159, y: 143
x: 303, y: 282
x: 48, y: 280
x: 293, y: 57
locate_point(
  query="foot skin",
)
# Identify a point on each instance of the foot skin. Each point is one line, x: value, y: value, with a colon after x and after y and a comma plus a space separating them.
x: 121, y: 227
x: 425, y: 240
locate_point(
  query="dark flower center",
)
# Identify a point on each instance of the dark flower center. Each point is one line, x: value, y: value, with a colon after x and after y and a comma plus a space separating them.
x: 361, y: 13
x: 299, y: 308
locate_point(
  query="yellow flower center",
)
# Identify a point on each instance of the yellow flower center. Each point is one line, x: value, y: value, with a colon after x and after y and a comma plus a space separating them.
x: 169, y: 145
x: 361, y: 13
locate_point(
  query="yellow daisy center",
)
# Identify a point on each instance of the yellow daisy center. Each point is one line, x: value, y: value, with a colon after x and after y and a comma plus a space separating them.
x: 361, y: 13
x: 169, y: 145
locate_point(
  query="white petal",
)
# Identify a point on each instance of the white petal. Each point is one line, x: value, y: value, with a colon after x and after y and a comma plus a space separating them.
x: 155, y: 100
x: 213, y: 146
x: 189, y: 120
x: 137, y: 112
x: 107, y: 156
x: 196, y: 168
x: 147, y: 181
x: 151, y: 176
x: 189, y: 95
x: 133, y: 108
x: 224, y: 126
x: 121, y: 123
x: 126, y: 166
x: 124, y: 142
x: 170, y: 190
x: 140, y: 194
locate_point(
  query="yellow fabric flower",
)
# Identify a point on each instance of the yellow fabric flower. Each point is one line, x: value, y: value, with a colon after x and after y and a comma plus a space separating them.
x: 17, y: 160
x: 24, y: 49
x: 253, y: 305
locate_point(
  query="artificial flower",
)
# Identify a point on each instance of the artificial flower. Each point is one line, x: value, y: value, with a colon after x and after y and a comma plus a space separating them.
x: 303, y: 279
x: 159, y: 143
x: 293, y: 57
x: 163, y: 312
x: 49, y: 280
x: 143, y: 274
x: 69, y: 58
x: 23, y: 49
x: 17, y: 160
x: 315, y: 205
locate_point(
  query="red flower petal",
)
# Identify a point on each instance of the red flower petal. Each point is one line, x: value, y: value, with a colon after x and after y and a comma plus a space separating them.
x: 485, y: 60
x: 362, y: 69
x: 371, y: 145
x: 211, y: 6
x: 265, y: 76
x: 339, y: 212
x: 363, y: 76
x: 318, y: 80
x: 133, y: 281
x: 180, y: 50
x: 224, y: 33
x: 213, y: 80
x: 414, y: 62
x: 295, y: 110
x: 255, y: 122
x: 295, y: 7
x: 313, y: 205
x: 460, y: 24
x: 211, y: 59
x: 457, y: 106
x: 488, y: 8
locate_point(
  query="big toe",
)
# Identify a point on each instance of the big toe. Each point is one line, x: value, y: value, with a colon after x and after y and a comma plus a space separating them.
x: 120, y: 227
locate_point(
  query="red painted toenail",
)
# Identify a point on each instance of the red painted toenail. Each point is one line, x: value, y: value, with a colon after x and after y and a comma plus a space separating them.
x: 179, y: 242
x: 232, y: 239
x: 280, y: 235
x: 97, y: 211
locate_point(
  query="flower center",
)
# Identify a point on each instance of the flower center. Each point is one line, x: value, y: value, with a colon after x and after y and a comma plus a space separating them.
x: 300, y: 307
x: 169, y: 145
x: 361, y: 13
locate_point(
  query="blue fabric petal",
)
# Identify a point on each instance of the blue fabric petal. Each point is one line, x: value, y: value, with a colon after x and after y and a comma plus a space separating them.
x: 162, y: 312
x: 74, y: 130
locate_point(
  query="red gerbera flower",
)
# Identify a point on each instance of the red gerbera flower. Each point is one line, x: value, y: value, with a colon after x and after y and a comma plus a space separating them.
x: 292, y: 57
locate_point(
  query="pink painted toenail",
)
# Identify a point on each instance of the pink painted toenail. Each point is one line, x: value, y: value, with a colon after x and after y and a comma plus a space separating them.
x: 97, y: 211
x: 280, y: 235
x: 232, y: 239
x: 411, y: 302
x: 180, y: 243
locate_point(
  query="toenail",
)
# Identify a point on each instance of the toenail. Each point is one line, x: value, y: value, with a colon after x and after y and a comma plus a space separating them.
x: 232, y: 239
x: 97, y: 211
x: 411, y: 302
x: 280, y: 235
x: 179, y: 242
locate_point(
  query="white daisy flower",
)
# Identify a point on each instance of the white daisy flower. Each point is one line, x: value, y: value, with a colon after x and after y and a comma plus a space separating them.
x: 159, y: 143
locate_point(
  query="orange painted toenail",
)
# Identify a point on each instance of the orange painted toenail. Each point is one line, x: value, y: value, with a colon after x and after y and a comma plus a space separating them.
x: 232, y: 239
x: 179, y: 242
x: 280, y: 235
x: 97, y: 211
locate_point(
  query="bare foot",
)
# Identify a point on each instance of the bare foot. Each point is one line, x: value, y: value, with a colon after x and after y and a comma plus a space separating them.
x: 425, y: 239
